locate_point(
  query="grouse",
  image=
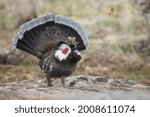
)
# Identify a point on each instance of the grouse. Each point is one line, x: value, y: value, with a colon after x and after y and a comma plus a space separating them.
x: 56, y: 41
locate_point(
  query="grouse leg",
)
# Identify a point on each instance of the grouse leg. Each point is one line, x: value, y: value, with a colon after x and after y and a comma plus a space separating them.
x: 63, y: 81
x: 49, y: 82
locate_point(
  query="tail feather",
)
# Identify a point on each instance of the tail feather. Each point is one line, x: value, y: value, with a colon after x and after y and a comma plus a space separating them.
x: 24, y: 47
x: 30, y: 39
x: 27, y: 42
x: 43, y: 33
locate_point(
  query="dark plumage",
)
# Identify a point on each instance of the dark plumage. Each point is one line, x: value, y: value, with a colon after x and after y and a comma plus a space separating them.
x: 56, y: 41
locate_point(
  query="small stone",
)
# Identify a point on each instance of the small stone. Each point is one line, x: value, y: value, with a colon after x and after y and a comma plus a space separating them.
x: 72, y: 83
x: 104, y: 80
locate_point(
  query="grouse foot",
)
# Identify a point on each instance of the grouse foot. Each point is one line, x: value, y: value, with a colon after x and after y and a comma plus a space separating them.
x: 49, y: 82
x: 63, y: 81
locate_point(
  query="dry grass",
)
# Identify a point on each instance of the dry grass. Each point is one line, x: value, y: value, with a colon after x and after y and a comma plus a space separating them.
x: 113, y: 27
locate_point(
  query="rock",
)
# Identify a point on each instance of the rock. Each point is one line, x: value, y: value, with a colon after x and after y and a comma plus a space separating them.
x: 12, y: 56
x: 77, y: 87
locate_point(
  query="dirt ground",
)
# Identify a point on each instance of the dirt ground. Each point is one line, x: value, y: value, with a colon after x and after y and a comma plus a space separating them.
x: 77, y: 87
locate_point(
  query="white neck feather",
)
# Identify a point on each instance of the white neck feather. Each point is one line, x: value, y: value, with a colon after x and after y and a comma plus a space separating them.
x: 60, y: 55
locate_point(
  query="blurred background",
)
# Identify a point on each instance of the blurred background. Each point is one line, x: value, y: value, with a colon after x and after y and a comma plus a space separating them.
x: 118, y: 32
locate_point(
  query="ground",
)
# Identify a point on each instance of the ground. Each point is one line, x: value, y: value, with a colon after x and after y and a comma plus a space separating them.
x: 77, y: 87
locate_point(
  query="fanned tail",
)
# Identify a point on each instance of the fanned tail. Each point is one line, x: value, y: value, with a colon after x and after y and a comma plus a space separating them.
x: 43, y: 33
